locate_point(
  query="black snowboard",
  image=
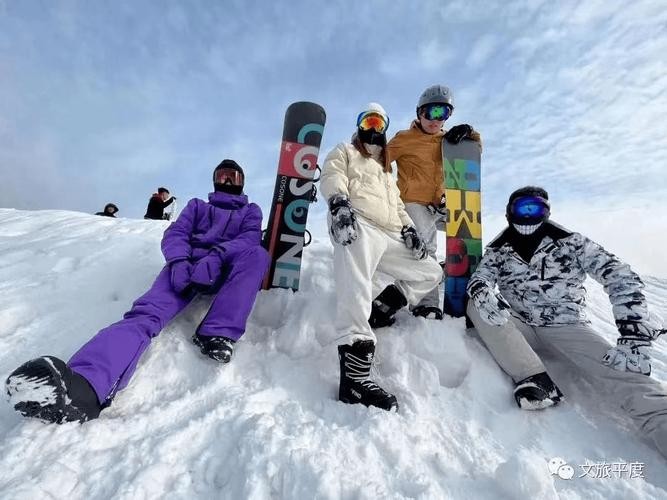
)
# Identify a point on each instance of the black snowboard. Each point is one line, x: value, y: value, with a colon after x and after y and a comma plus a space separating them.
x: 294, y: 191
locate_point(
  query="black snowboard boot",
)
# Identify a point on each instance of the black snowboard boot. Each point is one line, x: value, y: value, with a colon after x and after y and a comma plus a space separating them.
x: 218, y: 348
x: 355, y: 368
x: 385, y: 306
x: 429, y: 312
x: 537, y: 392
x: 47, y: 389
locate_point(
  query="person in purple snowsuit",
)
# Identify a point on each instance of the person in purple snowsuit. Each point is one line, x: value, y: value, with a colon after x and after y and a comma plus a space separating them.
x: 211, y: 248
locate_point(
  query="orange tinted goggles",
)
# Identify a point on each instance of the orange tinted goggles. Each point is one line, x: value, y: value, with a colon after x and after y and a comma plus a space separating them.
x: 372, y: 121
x: 228, y: 176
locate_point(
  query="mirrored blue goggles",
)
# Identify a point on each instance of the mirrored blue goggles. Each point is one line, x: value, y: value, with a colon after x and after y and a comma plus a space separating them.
x: 437, y: 112
x: 530, y: 207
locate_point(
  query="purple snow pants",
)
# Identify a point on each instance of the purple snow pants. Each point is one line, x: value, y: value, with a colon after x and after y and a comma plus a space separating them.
x: 109, y: 359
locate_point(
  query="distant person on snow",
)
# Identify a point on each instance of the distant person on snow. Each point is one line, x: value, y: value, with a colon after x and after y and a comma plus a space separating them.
x: 539, y: 268
x: 158, y: 202
x: 212, y: 248
x: 110, y: 210
x: 371, y: 231
x: 418, y: 156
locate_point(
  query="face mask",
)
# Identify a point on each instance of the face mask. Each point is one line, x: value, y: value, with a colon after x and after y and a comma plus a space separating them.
x: 374, y: 150
x: 526, y: 230
x: 229, y: 188
x: 371, y: 137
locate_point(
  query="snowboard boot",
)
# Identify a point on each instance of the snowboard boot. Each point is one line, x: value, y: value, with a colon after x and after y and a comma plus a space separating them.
x: 384, y: 307
x: 537, y: 392
x: 215, y: 347
x: 355, y: 386
x: 429, y: 312
x: 47, y: 389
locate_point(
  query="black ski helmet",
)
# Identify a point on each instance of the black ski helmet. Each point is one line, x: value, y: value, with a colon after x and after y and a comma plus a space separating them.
x: 540, y: 195
x: 229, y: 188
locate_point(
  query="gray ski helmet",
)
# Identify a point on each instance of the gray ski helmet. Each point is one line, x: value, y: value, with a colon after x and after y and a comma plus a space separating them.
x: 435, y: 94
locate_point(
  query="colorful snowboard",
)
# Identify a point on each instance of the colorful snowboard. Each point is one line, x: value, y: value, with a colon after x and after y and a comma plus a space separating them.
x: 294, y: 191
x: 461, y: 164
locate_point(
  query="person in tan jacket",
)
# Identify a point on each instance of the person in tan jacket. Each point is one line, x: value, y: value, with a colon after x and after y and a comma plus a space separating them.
x: 370, y: 231
x: 417, y: 152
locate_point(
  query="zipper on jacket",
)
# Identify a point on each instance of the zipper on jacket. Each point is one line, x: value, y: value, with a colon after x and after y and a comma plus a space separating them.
x: 544, y: 264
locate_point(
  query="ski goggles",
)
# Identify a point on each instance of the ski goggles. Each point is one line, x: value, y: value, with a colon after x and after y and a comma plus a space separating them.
x: 228, y: 176
x: 372, y: 121
x: 436, y: 112
x: 530, y: 207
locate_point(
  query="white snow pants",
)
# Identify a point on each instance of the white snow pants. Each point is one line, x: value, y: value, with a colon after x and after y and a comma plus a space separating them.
x: 512, y: 346
x: 375, y: 249
x: 425, y: 222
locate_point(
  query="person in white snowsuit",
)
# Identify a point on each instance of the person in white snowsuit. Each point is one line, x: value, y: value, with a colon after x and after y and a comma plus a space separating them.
x: 370, y: 231
x: 539, y: 269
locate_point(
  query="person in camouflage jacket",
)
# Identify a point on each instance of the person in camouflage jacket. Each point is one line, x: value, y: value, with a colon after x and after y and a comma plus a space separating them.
x: 539, y: 269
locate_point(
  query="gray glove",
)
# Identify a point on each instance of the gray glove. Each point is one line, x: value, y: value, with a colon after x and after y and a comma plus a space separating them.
x: 631, y: 350
x: 630, y: 354
x: 343, y: 221
x: 414, y: 242
x: 492, y: 307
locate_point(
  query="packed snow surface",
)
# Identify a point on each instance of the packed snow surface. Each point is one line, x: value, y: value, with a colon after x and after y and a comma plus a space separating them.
x: 268, y: 425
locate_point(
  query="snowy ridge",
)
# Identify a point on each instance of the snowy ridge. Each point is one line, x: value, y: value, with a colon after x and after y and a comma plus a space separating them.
x: 268, y: 424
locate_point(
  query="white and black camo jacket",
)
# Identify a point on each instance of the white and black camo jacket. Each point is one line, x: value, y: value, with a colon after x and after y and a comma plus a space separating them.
x: 549, y: 290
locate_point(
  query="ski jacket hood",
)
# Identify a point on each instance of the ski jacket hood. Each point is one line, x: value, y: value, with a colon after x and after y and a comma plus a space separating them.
x: 549, y: 289
x: 418, y: 156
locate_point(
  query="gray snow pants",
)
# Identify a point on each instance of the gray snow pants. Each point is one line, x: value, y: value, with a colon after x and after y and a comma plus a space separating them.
x: 511, y: 345
x: 425, y: 224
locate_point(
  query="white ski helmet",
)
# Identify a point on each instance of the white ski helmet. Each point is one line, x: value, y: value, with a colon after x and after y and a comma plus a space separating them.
x: 374, y: 107
x: 436, y: 94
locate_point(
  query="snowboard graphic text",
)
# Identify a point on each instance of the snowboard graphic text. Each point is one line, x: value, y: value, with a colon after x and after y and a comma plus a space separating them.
x: 461, y: 164
x: 294, y: 191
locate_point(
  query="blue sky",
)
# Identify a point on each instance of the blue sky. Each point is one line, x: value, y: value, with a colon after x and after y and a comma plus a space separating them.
x: 106, y: 101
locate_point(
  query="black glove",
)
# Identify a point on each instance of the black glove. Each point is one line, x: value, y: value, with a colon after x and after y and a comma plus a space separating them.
x: 414, y: 242
x: 440, y: 208
x: 636, y: 330
x: 343, y: 221
x: 458, y: 132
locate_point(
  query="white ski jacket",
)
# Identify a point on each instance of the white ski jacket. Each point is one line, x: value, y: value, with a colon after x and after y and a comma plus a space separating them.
x: 372, y: 192
x: 549, y: 290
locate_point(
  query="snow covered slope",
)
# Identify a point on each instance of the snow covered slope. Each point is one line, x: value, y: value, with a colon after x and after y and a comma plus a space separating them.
x: 268, y: 424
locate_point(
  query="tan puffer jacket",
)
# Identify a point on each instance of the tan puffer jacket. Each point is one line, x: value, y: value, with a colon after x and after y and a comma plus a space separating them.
x: 372, y: 192
x: 418, y: 156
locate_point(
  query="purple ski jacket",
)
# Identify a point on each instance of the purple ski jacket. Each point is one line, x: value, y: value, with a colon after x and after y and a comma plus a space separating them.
x: 227, y: 224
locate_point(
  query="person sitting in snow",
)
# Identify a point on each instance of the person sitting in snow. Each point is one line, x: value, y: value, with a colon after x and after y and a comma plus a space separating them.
x: 212, y: 248
x: 418, y: 156
x: 157, y: 203
x: 539, y: 268
x: 371, y: 231
x: 110, y: 210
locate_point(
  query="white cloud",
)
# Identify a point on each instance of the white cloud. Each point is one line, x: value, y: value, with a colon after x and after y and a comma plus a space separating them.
x: 482, y: 49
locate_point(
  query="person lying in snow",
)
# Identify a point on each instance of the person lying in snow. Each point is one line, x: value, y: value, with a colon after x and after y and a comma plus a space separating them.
x: 110, y: 210
x: 371, y: 231
x: 212, y: 248
x: 418, y: 155
x: 539, y: 268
